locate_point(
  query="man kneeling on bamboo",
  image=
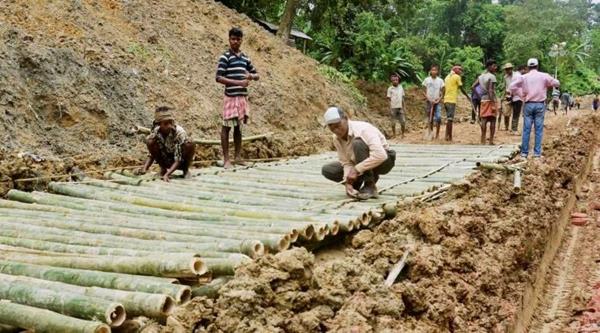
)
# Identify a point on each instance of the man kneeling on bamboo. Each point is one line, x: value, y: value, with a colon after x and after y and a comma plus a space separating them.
x: 168, y: 145
x: 363, y: 154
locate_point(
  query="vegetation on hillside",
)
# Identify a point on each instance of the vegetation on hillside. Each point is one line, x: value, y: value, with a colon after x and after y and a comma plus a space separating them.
x: 367, y: 39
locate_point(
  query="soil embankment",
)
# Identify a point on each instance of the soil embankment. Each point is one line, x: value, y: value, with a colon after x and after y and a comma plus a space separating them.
x: 473, y: 255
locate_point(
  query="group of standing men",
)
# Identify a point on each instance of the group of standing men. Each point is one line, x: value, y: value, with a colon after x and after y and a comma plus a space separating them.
x: 523, y: 89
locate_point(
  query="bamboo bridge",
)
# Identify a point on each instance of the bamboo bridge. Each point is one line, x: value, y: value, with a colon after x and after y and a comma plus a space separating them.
x: 88, y: 255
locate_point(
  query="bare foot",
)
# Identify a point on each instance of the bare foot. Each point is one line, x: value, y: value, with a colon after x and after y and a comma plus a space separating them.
x: 239, y: 161
x: 227, y: 165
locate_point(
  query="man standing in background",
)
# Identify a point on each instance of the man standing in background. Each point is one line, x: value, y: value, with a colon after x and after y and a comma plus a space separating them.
x: 453, y: 84
x: 395, y: 94
x: 515, y: 99
x: 235, y: 71
x: 434, y: 92
x: 534, y: 85
x: 488, y: 112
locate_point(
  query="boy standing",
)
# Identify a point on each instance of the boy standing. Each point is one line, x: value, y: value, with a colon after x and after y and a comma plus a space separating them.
x: 487, y: 81
x: 235, y: 71
x: 453, y: 84
x: 395, y: 94
x: 434, y: 92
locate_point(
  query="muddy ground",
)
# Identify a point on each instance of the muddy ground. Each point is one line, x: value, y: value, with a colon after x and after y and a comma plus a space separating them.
x: 472, y: 254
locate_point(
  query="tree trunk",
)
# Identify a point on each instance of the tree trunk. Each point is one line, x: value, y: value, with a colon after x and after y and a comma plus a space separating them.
x: 287, y: 20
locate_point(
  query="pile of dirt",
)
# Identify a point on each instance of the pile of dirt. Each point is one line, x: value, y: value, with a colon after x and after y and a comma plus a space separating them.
x: 76, y: 75
x: 472, y: 254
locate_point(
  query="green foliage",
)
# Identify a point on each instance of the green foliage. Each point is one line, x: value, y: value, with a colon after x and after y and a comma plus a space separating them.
x: 369, y: 39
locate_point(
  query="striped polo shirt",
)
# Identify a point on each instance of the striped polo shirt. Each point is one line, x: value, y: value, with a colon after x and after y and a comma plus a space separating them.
x: 234, y: 67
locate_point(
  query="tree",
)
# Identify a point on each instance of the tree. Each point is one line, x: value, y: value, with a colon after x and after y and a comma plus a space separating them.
x: 287, y: 19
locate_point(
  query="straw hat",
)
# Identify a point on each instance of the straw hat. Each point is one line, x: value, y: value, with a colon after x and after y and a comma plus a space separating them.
x: 507, y: 66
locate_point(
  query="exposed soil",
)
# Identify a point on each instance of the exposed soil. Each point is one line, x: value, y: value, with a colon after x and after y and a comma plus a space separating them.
x: 472, y: 254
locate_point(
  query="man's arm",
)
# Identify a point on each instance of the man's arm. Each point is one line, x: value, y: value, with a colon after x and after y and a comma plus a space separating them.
x: 221, y: 71
x: 442, y: 94
x: 462, y: 89
x: 516, y: 85
x: 492, y: 90
x: 552, y: 82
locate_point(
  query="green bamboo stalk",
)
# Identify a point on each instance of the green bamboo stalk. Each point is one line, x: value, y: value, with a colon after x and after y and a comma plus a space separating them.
x: 175, y: 266
x: 73, y: 305
x: 273, y: 241
x: 95, y: 250
x: 154, y: 306
x: 211, y: 290
x: 225, y: 266
x: 45, y: 321
x: 91, y: 278
x: 159, y: 223
x: 15, y: 230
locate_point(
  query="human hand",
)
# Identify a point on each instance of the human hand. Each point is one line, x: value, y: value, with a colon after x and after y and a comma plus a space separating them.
x: 141, y: 171
x: 352, y: 176
x: 166, y: 177
x: 244, y: 83
x: 350, y: 191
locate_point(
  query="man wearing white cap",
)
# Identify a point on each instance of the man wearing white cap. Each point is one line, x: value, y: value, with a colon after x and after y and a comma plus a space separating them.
x: 534, y: 86
x: 363, y: 154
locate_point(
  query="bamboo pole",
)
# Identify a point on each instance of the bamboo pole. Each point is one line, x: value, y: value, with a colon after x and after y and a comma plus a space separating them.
x: 273, y: 241
x: 211, y: 289
x: 175, y: 223
x: 45, y: 321
x: 226, y: 266
x: 15, y: 230
x: 155, y: 306
x: 9, y: 329
x: 73, y: 305
x: 268, y: 136
x: 174, y: 266
x: 517, y: 182
x: 90, y: 278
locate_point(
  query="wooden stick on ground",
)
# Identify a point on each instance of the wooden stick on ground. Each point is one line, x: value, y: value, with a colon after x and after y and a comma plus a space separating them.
x: 269, y: 135
x: 396, y: 269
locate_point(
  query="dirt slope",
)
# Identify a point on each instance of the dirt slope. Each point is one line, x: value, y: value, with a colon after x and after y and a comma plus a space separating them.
x: 75, y: 75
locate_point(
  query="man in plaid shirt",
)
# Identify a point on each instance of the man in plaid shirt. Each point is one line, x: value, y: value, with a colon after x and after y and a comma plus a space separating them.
x: 235, y: 71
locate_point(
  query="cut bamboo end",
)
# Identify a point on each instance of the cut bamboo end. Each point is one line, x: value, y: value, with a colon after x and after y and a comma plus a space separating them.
x: 293, y: 235
x: 284, y: 243
x: 184, y: 295
x: 168, y: 306
x: 335, y: 228
x: 252, y: 248
x: 115, y: 315
x: 365, y: 219
x: 321, y: 233
x: 308, y: 232
x: 198, y: 267
x: 102, y: 329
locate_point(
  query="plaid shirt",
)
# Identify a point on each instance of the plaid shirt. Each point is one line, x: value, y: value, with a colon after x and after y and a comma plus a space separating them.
x: 170, y: 146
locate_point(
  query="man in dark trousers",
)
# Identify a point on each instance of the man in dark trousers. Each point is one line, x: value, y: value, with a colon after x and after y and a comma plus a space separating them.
x: 235, y: 71
x: 168, y: 145
x: 363, y: 154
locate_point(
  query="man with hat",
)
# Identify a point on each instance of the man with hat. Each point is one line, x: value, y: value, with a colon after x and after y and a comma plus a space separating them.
x: 534, y: 86
x: 363, y: 154
x: 514, y: 99
x: 168, y: 145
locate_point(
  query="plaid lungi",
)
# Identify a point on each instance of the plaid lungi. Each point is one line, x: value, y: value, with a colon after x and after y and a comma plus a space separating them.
x: 235, y: 107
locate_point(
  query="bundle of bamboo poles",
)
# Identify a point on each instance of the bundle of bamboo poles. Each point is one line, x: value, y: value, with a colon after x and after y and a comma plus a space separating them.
x: 122, y: 247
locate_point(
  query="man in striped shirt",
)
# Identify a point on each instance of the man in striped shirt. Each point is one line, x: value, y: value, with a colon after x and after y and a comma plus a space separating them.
x: 235, y: 71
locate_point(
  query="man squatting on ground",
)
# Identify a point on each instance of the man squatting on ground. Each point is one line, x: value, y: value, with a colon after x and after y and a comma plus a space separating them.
x: 453, y: 83
x: 434, y: 93
x: 235, y: 71
x: 363, y: 154
x: 395, y: 94
x: 534, y: 86
x: 488, y: 110
x: 168, y: 145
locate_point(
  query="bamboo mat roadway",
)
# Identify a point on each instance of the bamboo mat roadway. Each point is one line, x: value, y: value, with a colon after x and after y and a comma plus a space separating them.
x: 148, y: 233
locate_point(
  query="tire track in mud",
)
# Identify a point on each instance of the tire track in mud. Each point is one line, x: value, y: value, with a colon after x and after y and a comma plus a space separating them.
x: 573, y: 271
